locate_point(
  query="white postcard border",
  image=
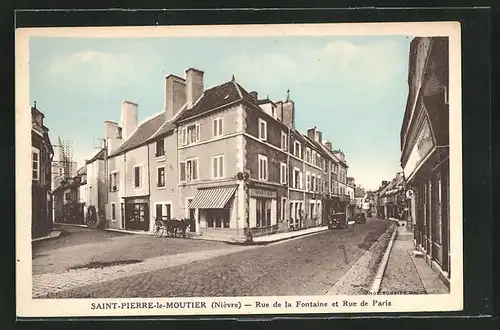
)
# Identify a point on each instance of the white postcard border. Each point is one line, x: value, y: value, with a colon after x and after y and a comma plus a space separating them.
x: 29, y: 307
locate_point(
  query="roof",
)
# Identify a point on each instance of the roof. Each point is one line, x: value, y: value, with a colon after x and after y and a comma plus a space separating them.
x: 168, y: 126
x: 141, y: 134
x: 99, y: 155
x: 216, y: 97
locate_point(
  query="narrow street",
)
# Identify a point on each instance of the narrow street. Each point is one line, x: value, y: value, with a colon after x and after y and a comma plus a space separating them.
x: 309, y: 265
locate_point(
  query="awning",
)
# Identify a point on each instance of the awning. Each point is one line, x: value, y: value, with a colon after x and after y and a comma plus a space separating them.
x: 212, y: 198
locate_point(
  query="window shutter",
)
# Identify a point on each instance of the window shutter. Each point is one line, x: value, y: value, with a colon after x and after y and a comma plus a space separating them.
x: 182, y: 171
x: 214, y: 167
x: 221, y: 166
x: 215, y: 130
x: 197, y: 132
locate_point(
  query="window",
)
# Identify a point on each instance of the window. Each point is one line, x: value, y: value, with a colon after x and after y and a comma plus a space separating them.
x: 217, y: 127
x: 163, y: 210
x: 262, y: 167
x: 284, y: 140
x: 160, y: 182
x: 313, y: 182
x: 297, y: 149
x: 160, y: 148
x: 283, y: 209
x: 113, y: 211
x: 308, y: 155
x: 297, y: 178
x: 263, y: 214
x: 314, y: 158
x: 189, y: 170
x: 262, y: 129
x: 137, y: 176
x: 218, y: 218
x: 218, y: 167
x: 189, y: 135
x: 308, y: 181
x: 113, y: 181
x: 35, y: 158
x: 283, y: 173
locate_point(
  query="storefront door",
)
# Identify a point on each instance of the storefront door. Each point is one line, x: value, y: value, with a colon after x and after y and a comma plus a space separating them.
x: 137, y: 216
x: 192, y: 217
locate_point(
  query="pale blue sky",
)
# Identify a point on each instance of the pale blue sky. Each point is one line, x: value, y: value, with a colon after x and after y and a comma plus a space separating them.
x: 353, y: 88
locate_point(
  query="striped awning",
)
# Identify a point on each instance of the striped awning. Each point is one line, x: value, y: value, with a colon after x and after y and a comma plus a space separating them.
x: 212, y: 198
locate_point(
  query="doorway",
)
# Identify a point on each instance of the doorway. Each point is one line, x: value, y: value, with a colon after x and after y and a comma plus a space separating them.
x: 137, y: 216
x: 192, y: 217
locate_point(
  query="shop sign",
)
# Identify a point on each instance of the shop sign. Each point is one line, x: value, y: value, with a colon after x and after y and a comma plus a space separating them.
x: 422, y: 148
x: 263, y: 193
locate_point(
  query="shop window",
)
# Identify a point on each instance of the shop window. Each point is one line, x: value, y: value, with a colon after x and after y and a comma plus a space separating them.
x: 263, y: 213
x: 218, y: 218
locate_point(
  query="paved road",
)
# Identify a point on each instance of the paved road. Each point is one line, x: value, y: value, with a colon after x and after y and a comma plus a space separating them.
x: 305, y: 266
x: 78, y: 247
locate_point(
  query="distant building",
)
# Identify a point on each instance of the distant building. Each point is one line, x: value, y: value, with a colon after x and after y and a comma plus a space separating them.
x: 41, y: 164
x: 94, y: 192
x: 68, y: 199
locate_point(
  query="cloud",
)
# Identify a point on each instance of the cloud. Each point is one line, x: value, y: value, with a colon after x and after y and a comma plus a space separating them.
x: 365, y: 65
x: 93, y: 68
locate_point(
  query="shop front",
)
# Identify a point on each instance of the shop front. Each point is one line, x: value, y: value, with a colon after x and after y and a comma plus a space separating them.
x: 137, y: 213
x: 213, y: 210
x: 263, y: 210
x: 427, y: 170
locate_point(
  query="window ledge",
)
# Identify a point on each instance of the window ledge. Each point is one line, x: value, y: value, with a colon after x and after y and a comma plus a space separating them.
x: 161, y: 187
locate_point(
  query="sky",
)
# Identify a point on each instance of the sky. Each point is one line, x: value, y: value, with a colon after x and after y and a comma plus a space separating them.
x: 353, y: 89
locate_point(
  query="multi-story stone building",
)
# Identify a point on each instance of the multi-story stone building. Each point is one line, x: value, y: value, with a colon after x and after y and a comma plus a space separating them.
x: 425, y: 149
x: 41, y: 160
x: 230, y: 162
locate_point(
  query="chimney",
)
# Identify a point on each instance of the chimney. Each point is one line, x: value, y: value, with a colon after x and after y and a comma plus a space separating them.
x: 174, y: 95
x: 194, y: 86
x: 311, y: 133
x: 112, y: 135
x: 289, y: 113
x: 253, y: 94
x: 128, y: 119
x: 328, y: 144
x: 279, y: 110
x: 318, y: 136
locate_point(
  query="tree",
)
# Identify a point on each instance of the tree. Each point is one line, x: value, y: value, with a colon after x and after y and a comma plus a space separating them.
x: 359, y: 191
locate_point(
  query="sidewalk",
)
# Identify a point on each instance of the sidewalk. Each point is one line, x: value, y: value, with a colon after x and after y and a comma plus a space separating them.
x: 407, y: 273
x: 53, y: 234
x: 266, y: 239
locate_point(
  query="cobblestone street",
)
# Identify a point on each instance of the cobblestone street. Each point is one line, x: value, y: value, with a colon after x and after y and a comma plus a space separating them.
x: 309, y: 265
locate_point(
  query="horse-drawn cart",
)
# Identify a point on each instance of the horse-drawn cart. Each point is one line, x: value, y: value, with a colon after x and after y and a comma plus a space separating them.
x: 171, y: 227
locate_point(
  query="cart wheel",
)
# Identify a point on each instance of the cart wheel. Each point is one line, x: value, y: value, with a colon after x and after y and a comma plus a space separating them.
x: 159, y: 231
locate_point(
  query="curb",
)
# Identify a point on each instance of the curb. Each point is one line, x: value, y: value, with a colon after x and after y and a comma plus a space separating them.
x: 383, y: 264
x: 289, y: 238
x: 71, y: 225
x: 45, y: 238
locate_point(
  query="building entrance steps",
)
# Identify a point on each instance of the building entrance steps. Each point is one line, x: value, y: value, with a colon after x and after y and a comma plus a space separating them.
x: 406, y: 272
